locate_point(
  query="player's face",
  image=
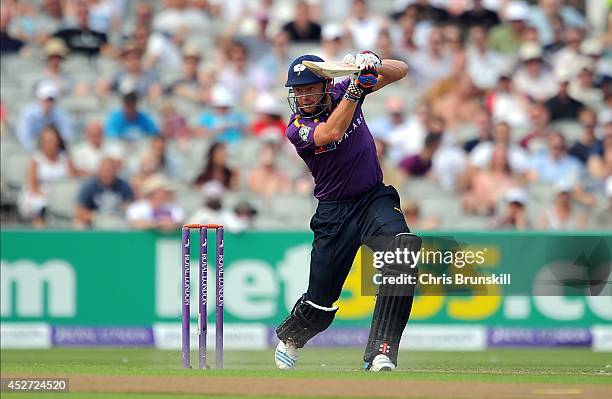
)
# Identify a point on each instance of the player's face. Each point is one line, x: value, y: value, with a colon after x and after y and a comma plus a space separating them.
x: 308, y: 96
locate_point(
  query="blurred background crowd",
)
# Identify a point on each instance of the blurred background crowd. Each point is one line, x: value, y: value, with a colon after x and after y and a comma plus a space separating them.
x: 147, y: 114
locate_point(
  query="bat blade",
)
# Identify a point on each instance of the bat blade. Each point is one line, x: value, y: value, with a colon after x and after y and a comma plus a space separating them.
x: 330, y: 69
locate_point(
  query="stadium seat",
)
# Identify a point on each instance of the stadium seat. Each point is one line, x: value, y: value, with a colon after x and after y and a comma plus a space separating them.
x: 570, y: 129
x: 109, y: 222
x: 189, y: 200
x: 62, y: 200
x: 15, y: 172
x: 423, y: 188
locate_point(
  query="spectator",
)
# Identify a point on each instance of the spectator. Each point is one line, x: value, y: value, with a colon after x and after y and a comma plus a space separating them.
x: 489, y: 185
x: 55, y: 50
x: 583, y: 89
x: 515, y: 216
x: 332, y: 45
x: 236, y: 75
x: 483, y: 64
x: 431, y: 63
x: 392, y: 175
x: 213, y: 211
x: 178, y: 17
x: 506, y: 38
x: 478, y: 15
x: 363, y: 25
x: 161, y: 51
x: 588, y: 144
x: 481, y: 155
x: 534, y: 78
x: 404, y: 135
x: 566, y: 56
x: 268, y: 122
x: 158, y: 209
x: 449, y: 161
x: 164, y: 160
x: 536, y: 139
x: 224, y: 124
x: 458, y: 106
x: 131, y: 77
x: 129, y: 123
x: 88, y: 154
x: 36, y: 27
x: 81, y: 39
x: 420, y: 164
x: 507, y: 104
x: 384, y: 47
x: 35, y: 116
x: 403, y: 35
x: 554, y: 164
x: 187, y: 86
x: 303, y: 28
x: 414, y: 218
x: 266, y: 179
x: 540, y: 17
x: 174, y: 125
x: 216, y: 168
x: 563, y: 215
x: 105, y: 15
x: 484, y: 127
x: 269, y: 71
x: 563, y: 106
x: 105, y: 193
x: 50, y: 163
x: 8, y: 43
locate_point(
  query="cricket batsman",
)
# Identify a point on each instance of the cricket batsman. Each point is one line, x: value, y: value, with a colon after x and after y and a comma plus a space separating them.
x: 330, y: 134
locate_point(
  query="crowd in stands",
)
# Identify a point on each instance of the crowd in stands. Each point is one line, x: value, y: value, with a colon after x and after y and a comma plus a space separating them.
x: 150, y: 114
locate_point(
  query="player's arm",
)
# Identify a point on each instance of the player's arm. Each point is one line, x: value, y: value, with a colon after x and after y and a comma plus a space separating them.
x: 390, y: 71
x: 337, y: 123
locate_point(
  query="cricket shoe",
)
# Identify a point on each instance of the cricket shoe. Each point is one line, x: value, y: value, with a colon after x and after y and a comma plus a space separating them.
x: 382, y: 363
x: 285, y: 355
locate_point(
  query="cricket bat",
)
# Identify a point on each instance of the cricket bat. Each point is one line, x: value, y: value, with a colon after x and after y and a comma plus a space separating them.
x: 330, y: 69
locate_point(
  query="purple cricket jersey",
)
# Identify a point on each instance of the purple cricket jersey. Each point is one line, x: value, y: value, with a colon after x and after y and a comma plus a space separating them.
x: 342, y: 169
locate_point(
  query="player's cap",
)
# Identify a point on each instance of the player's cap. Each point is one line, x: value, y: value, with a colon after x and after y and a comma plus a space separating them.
x: 55, y: 46
x: 298, y: 74
x: 517, y: 11
x: 530, y: 51
x: 47, y: 91
x: 517, y: 195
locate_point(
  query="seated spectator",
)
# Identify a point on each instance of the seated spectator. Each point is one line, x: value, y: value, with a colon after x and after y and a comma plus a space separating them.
x: 129, y: 123
x: 562, y: 105
x: 567, y: 55
x: 420, y: 164
x: 105, y: 193
x: 178, y: 17
x: 588, y: 144
x: 55, y: 51
x: 132, y: 77
x: 583, y: 88
x: 35, y: 116
x: 458, y: 106
x: 332, y: 43
x: 36, y: 25
x: 163, y: 159
x: 539, y: 118
x: 187, y: 86
x: 81, y: 39
x: 534, y: 78
x: 507, y: 104
x: 223, y: 123
x: 213, y: 211
x: 554, y: 164
x: 482, y: 121
x: 431, y: 63
x: 488, y: 186
x: 506, y: 37
x: 8, y: 43
x: 483, y: 64
x: 481, y: 155
x: 269, y: 121
x: 158, y: 209
x: 174, y: 125
x: 303, y: 28
x: 88, y: 154
x: 216, y: 168
x: 392, y: 175
x: 414, y: 218
x: 236, y: 77
x: 563, y: 215
x: 266, y: 179
x: 50, y: 163
x: 478, y: 15
x: 404, y: 134
x: 515, y: 216
x: 363, y: 25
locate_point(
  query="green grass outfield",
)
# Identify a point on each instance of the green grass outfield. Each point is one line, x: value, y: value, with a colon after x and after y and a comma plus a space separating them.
x: 564, y: 366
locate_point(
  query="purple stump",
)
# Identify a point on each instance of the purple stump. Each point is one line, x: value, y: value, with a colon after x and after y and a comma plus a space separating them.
x: 202, y: 321
x: 186, y: 297
x: 219, y: 319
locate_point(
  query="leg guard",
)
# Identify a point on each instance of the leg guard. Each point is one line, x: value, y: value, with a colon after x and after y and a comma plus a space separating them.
x: 393, y: 306
x: 306, y: 320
